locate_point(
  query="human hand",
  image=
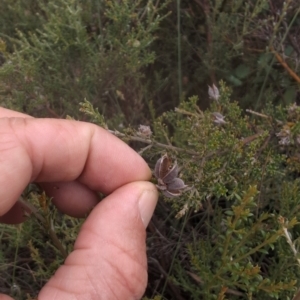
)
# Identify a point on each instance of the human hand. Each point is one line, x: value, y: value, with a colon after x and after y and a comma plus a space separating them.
x: 71, y: 160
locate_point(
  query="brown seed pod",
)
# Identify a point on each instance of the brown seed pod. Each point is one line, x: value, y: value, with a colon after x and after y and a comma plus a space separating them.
x: 166, y: 175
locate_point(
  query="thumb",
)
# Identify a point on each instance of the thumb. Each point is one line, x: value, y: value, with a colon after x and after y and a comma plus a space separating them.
x: 109, y: 258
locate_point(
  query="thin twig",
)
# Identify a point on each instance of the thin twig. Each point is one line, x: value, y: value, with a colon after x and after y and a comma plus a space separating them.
x: 285, y: 65
x: 153, y: 143
x: 209, y: 155
x: 201, y: 282
x: 262, y: 115
x: 145, y: 149
x: 29, y: 207
x: 289, y: 240
x: 185, y: 112
x: 257, y: 114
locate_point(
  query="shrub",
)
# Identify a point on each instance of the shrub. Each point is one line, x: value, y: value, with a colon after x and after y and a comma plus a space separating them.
x: 233, y: 233
x: 240, y: 214
x: 94, y: 50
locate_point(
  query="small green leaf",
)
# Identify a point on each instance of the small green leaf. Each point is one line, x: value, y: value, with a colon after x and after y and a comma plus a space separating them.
x: 242, y: 71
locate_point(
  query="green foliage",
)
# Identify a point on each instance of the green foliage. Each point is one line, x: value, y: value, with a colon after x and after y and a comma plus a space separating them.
x: 31, y: 253
x: 75, y: 54
x: 234, y: 41
x: 232, y: 257
x: 65, y: 51
x: 242, y: 184
x: 124, y: 54
x: 234, y: 233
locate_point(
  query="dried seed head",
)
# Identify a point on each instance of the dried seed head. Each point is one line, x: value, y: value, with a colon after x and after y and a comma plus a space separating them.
x: 144, y: 131
x: 162, y: 167
x: 218, y: 118
x: 171, y: 175
x: 213, y: 92
x: 284, y: 135
x: 166, y: 175
x: 176, y: 184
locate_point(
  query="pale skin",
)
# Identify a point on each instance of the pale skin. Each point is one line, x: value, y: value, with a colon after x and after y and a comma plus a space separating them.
x: 71, y: 160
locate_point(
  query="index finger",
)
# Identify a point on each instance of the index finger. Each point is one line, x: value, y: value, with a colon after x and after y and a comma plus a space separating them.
x: 51, y: 150
x: 7, y: 113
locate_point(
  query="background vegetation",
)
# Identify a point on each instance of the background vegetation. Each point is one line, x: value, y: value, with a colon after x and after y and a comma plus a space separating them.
x: 234, y: 234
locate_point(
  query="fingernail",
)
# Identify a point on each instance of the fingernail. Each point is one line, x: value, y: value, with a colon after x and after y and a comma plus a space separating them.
x: 147, y: 203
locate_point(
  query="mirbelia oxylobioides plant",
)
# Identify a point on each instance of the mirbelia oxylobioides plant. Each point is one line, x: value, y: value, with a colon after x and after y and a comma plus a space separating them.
x: 238, y: 170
